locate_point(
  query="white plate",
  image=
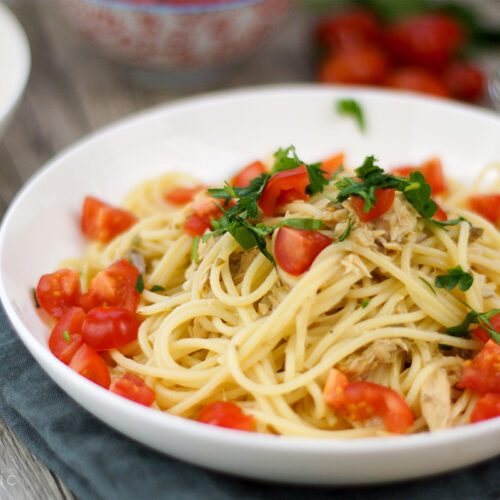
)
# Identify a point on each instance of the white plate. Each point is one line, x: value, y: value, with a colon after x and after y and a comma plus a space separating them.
x: 212, y: 136
x: 14, y: 65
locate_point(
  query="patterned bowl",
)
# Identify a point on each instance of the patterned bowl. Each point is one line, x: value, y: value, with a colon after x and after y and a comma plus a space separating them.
x: 179, y: 39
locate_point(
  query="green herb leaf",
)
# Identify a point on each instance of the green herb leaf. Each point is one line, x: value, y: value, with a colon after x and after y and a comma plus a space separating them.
x: 474, y: 317
x: 157, y: 288
x: 452, y: 222
x: 347, y: 230
x: 365, y: 303
x: 431, y: 288
x: 312, y: 224
x: 194, y: 249
x: 454, y: 277
x: 286, y: 159
x: 418, y: 193
x: 66, y: 336
x: 317, y: 179
x: 139, y: 284
x: 351, y: 107
x: 33, y: 292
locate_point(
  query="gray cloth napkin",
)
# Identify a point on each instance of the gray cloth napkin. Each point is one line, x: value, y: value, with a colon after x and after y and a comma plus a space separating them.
x: 98, y: 463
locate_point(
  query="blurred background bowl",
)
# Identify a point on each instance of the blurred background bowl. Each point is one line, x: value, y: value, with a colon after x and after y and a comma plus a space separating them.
x: 15, y: 64
x: 176, y: 42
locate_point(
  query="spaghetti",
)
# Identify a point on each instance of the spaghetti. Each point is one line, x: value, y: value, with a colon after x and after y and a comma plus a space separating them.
x: 221, y: 323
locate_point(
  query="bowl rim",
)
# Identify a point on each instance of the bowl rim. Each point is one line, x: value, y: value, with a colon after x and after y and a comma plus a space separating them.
x: 163, y: 8
x: 195, y: 430
x: 22, y: 69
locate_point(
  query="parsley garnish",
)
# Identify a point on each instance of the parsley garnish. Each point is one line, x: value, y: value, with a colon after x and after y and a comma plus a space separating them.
x: 431, y: 288
x: 415, y: 189
x: 350, y: 107
x: 365, y: 303
x: 454, y: 277
x: 194, y: 249
x: 37, y: 304
x: 287, y: 159
x: 347, y: 230
x: 157, y: 288
x: 66, y: 336
x: 452, y: 222
x: 139, y: 284
x: 474, y: 317
x: 301, y: 224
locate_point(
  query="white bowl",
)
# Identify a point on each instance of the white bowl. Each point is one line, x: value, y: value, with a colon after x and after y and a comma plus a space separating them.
x: 211, y: 136
x: 14, y: 65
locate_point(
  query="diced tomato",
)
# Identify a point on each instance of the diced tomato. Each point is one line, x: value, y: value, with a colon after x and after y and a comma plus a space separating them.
x: 362, y: 65
x: 431, y: 169
x: 296, y: 249
x: 196, y: 225
x: 88, y: 363
x: 416, y: 80
x: 131, y: 387
x: 284, y: 187
x: 385, y: 199
x: 440, y: 213
x: 359, y: 401
x: 116, y: 286
x: 110, y: 327
x: 349, y: 29
x: 481, y: 334
x: 226, y: 414
x: 66, y: 337
x: 486, y: 205
x: 486, y: 407
x: 331, y: 164
x: 464, y: 81
x: 428, y: 40
x: 102, y: 222
x: 205, y: 210
x: 250, y: 172
x: 58, y: 291
x: 482, y: 374
x: 182, y: 195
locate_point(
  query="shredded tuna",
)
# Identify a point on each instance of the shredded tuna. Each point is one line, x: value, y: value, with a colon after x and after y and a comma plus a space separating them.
x: 435, y: 400
x: 380, y: 351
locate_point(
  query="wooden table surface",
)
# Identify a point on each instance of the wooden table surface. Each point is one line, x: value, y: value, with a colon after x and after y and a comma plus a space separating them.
x: 70, y: 93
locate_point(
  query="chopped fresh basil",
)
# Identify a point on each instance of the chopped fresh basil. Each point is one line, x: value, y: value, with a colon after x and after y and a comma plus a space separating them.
x: 351, y: 107
x: 157, y: 288
x: 139, y: 284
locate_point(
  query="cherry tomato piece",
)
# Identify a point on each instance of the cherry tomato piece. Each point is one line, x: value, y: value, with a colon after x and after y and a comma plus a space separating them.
x: 385, y: 199
x: 330, y: 165
x: 110, y: 327
x: 284, y: 187
x: 464, y: 81
x: 66, y: 337
x: 486, y: 205
x: 349, y: 29
x: 58, y: 291
x: 131, y: 387
x: 486, y: 407
x: 116, y: 286
x: 482, y: 334
x: 196, y: 225
x: 440, y: 213
x: 296, y: 249
x: 182, y: 195
x: 226, y: 414
x: 416, y: 80
x: 88, y: 363
x: 102, y: 222
x: 431, y: 169
x: 357, y: 65
x: 250, y: 172
x: 482, y: 374
x: 359, y: 401
x: 428, y: 40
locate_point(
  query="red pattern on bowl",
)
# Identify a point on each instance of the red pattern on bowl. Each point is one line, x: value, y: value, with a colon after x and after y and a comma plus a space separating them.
x: 175, y: 41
